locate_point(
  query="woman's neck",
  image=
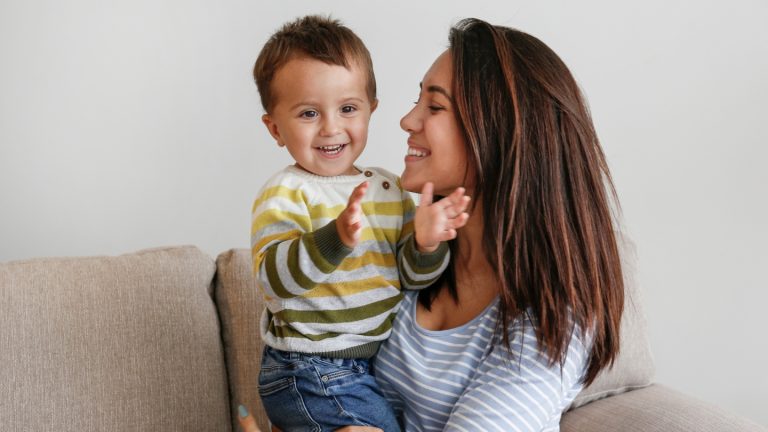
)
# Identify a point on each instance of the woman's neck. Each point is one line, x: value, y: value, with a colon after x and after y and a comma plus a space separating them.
x: 470, y: 238
x: 471, y: 262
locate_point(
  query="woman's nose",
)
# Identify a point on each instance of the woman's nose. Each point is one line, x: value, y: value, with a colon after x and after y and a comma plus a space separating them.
x: 410, y: 123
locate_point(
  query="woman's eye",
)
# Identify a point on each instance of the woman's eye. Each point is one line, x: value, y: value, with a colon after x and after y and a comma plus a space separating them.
x: 309, y: 114
x: 348, y: 109
x: 435, y: 108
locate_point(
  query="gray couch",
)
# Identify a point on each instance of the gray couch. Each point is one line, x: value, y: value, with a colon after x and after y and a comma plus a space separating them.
x: 167, y: 340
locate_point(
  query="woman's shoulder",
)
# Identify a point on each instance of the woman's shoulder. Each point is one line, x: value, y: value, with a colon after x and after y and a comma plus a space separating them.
x: 527, y: 353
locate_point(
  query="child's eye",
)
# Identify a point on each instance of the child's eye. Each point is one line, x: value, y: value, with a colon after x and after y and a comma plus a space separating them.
x: 346, y: 109
x: 309, y: 114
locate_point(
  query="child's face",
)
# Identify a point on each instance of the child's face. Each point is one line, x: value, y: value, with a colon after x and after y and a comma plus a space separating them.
x: 321, y: 115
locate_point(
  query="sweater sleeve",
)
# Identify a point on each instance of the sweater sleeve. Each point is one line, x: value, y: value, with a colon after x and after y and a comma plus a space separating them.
x: 417, y: 270
x: 288, y: 257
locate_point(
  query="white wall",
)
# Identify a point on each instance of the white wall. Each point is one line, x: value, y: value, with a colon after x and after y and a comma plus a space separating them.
x: 136, y: 124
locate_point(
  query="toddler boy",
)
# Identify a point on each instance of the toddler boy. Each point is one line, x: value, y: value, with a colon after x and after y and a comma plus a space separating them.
x: 332, y: 242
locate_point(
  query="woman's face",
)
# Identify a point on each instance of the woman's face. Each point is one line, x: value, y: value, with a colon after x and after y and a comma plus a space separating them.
x: 436, y: 147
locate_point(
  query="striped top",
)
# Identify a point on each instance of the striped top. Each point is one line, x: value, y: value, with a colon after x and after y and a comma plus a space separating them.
x: 462, y: 379
x: 321, y: 296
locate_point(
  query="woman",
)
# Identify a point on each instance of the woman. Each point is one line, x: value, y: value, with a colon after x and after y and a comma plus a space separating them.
x: 528, y: 312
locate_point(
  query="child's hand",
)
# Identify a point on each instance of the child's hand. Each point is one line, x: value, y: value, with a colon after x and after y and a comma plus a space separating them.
x: 436, y: 222
x: 349, y: 223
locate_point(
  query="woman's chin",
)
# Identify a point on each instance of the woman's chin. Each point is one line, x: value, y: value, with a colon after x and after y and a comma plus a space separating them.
x: 410, y: 184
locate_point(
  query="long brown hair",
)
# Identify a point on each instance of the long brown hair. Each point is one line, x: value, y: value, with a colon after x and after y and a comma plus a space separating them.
x: 545, y: 188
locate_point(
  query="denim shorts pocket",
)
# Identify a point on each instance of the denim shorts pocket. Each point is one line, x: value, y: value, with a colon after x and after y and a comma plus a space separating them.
x: 284, y: 405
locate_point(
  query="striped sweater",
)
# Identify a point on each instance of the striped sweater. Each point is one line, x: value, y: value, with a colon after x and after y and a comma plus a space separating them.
x: 321, y: 296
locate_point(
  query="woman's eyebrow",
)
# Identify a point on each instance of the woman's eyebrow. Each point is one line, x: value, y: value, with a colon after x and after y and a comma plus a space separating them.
x: 438, y: 89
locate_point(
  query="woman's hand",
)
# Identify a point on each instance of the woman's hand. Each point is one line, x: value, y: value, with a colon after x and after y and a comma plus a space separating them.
x: 437, y: 222
x: 247, y: 423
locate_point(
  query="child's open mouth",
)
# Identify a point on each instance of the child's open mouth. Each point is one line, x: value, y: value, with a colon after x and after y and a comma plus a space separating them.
x: 331, y: 150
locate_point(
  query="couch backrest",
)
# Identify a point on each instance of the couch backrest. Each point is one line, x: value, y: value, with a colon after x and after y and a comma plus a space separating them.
x: 634, y: 366
x: 126, y: 343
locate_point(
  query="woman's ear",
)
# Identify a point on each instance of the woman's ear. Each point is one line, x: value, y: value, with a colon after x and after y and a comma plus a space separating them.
x: 272, y: 128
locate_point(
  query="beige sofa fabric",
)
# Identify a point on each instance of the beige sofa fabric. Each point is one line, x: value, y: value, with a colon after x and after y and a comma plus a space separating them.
x: 126, y: 343
x: 633, y: 368
x: 240, y: 305
x: 654, y: 409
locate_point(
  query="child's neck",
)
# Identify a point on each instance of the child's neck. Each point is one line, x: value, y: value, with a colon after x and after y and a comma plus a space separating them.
x: 352, y: 170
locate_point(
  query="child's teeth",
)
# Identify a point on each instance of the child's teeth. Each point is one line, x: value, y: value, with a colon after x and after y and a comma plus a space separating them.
x: 414, y: 152
x: 332, y: 149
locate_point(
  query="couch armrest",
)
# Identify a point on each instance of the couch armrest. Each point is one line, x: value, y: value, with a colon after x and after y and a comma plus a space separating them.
x: 654, y: 409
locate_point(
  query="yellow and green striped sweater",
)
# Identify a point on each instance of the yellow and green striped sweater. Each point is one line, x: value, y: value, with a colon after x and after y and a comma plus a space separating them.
x: 321, y: 296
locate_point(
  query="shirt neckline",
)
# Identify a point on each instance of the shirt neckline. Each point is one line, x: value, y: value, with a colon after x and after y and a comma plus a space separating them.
x: 451, y: 331
x: 314, y: 178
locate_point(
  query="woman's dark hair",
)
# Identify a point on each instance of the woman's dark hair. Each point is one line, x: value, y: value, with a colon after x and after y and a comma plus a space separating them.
x: 545, y: 191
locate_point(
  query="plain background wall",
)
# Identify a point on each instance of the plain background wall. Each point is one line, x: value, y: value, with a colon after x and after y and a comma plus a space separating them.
x: 134, y: 124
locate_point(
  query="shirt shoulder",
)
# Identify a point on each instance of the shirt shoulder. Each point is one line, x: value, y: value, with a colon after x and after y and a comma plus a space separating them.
x: 283, y: 186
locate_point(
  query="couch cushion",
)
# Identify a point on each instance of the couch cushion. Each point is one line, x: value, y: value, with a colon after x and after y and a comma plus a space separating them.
x: 633, y: 368
x: 654, y: 409
x: 120, y: 343
x: 240, y: 305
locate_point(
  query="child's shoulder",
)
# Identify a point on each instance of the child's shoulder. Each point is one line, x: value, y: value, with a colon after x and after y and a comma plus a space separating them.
x: 284, y: 183
x: 383, y: 173
x: 387, y: 175
x: 286, y: 176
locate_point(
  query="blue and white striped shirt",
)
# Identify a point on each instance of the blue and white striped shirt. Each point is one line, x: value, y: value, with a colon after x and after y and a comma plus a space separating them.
x: 464, y: 378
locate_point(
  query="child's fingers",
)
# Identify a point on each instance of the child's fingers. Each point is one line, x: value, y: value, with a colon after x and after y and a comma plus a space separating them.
x: 426, y: 194
x: 357, y: 194
x: 455, y: 196
x: 463, y: 203
x: 458, y: 199
x: 459, y: 221
x: 446, y: 235
x: 355, y: 227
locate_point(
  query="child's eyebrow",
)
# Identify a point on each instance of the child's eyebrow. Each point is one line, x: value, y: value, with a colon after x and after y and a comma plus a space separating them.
x: 312, y: 102
x: 354, y: 98
x: 438, y: 89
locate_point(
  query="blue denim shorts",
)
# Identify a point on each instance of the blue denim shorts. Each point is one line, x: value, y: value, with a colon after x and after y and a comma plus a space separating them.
x: 304, y: 392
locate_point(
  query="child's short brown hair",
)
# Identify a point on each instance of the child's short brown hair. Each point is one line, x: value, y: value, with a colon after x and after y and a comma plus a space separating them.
x: 316, y: 37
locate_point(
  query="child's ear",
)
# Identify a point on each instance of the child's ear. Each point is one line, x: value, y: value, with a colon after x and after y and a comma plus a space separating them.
x: 374, y: 105
x: 272, y: 128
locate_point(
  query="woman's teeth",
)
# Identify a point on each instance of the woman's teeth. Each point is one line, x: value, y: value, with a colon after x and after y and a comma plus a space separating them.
x: 413, y: 152
x: 332, y: 150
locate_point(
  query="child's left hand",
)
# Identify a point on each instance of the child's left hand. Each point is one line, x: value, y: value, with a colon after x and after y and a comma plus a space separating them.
x: 437, y: 222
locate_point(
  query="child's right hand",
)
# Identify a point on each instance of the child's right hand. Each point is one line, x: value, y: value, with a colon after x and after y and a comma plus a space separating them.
x: 349, y: 223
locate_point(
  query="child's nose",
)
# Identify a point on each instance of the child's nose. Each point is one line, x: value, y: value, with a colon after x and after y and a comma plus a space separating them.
x: 330, y: 126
